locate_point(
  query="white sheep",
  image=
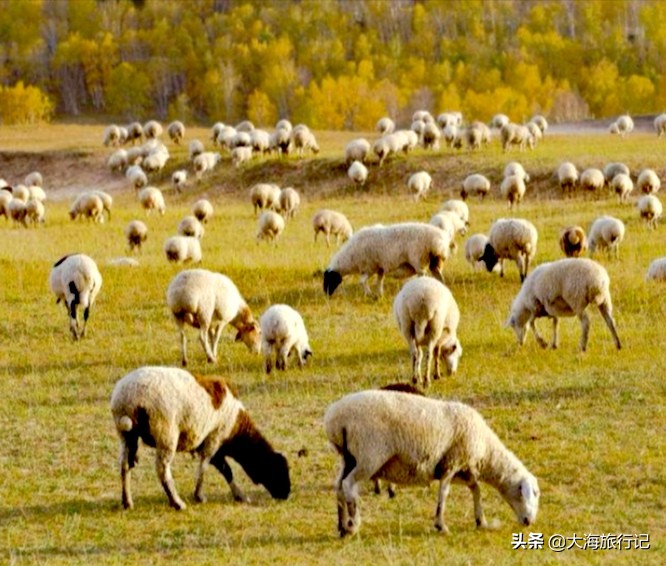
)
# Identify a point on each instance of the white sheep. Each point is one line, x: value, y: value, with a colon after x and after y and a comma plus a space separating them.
x: 475, y: 184
x: 152, y: 130
x: 156, y: 158
x: 513, y: 190
x: 134, y: 132
x: 21, y: 192
x: 151, y: 198
x: 431, y: 136
x: 240, y: 155
x: 516, y: 169
x: 36, y: 193
x: 567, y: 176
x: 280, y: 140
x: 76, y: 280
x: 17, y: 210
x: 331, y: 222
x: 88, y: 205
x: 657, y: 270
x: 357, y: 150
x: 622, y: 126
x: 540, y: 122
x: 107, y: 201
x: 5, y: 198
x: 136, y: 176
x: 270, y: 226
x: 304, y: 140
x: 35, y: 211
x: 558, y: 289
x: 182, y: 249
x: 195, y: 147
x: 190, y: 226
x: 118, y: 160
x: 34, y: 179
x: 283, y: 333
x: 650, y: 210
x: 459, y: 207
x: 176, y: 131
x: 405, y: 249
x: 284, y: 124
x: 622, y: 186
x: 245, y: 126
x: 136, y: 233
x: 475, y: 245
x: 179, y: 180
x: 592, y: 179
x: 449, y: 222
x: 428, y: 317
x: 648, y: 182
x: 573, y: 241
x: 612, y: 169
x: 260, y: 141
x: 210, y: 301
x: 511, y: 238
x: 289, y: 202
x: 205, y: 161
x: 412, y: 439
x: 172, y: 410
x: 111, y: 135
x: 385, y: 126
x: 606, y: 233
x: 358, y: 173
x: 499, y: 121
x: 203, y: 210
x: 515, y: 134
x: 660, y: 124
x: 419, y: 184
x: 265, y: 196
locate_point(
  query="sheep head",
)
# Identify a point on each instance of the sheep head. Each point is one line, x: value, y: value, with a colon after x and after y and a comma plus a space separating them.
x: 332, y: 280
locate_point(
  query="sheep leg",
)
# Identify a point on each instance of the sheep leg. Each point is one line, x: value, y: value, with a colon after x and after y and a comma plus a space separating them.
x: 531, y: 324
x: 283, y: 354
x: 86, y: 314
x: 585, y: 325
x: 364, y: 283
x: 203, y: 338
x: 501, y: 262
x: 214, y: 338
x: 267, y: 351
x: 199, y: 495
x: 183, y: 346
x: 444, y: 487
x: 555, y: 328
x: 223, y: 467
x: 73, y: 323
x: 429, y: 356
x: 129, y: 446
x: 481, y: 522
x: 417, y: 357
x: 163, y: 465
x: 605, y: 311
x: 380, y: 283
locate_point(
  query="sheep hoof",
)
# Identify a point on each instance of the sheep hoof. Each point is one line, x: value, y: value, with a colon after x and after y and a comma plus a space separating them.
x: 178, y: 505
x: 200, y: 498
x: 442, y: 528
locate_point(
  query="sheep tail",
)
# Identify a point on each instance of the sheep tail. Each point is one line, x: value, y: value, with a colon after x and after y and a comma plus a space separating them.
x: 124, y: 424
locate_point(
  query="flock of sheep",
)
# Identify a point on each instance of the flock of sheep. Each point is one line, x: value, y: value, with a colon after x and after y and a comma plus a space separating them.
x: 174, y: 411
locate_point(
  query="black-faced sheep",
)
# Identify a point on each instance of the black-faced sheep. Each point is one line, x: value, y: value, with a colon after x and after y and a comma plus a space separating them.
x: 511, y: 238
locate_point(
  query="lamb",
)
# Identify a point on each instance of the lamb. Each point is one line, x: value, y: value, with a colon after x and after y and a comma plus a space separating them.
x: 606, y: 233
x: 265, y: 196
x: 428, y: 317
x: 592, y: 179
x: 190, y: 226
x: 203, y: 210
x: 331, y: 222
x: 270, y: 226
x: 283, y: 333
x: 562, y: 288
x: 648, y: 182
x: 650, y: 210
x: 289, y: 202
x: 622, y: 186
x: 511, y: 238
x: 76, y: 280
x: 88, y: 205
x: 513, y: 190
x: 475, y: 184
x: 657, y: 270
x: 406, y: 249
x: 660, y: 124
x: 176, y: 131
x: 209, y: 301
x: 182, y: 249
x: 240, y: 155
x: 573, y: 241
x: 357, y: 150
x: 136, y: 176
x: 474, y: 248
x: 173, y: 411
x: 459, y: 207
x: 151, y: 198
x: 152, y: 130
x: 179, y: 180
x: 567, y: 176
x: 205, y: 161
x: 419, y: 184
x: 358, y: 173
x: 111, y: 136
x: 385, y: 125
x: 136, y: 233
x: 437, y: 440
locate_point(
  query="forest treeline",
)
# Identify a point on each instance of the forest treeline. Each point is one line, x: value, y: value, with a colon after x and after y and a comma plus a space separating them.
x: 333, y: 64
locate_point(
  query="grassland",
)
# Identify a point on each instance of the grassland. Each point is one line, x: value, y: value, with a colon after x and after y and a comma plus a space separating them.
x: 589, y: 426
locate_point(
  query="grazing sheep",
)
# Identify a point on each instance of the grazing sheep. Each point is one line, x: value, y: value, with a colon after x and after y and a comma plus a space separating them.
x: 172, y: 410
x: 592, y: 179
x: 428, y: 317
x: 511, y: 238
x: 459, y: 207
x: 412, y: 439
x: 657, y: 270
x: 385, y: 126
x: 260, y: 141
x: 474, y: 247
x: 622, y: 186
x: 151, y: 198
x: 405, y: 249
x: 118, y: 160
x: 88, y: 205
x: 535, y: 133
x: 136, y: 176
x: 179, y: 180
x: 283, y: 333
x: 289, y: 202
x: 660, y: 124
x: 209, y: 301
x: 17, y: 210
x: 573, y: 241
x: 431, y: 136
x: 513, y: 190
x: 5, y: 198
x: 284, y: 124
x: 606, y: 233
x: 135, y: 132
x: 35, y: 211
x: 176, y: 131
x: 182, y: 249
x: 622, y: 126
x: 190, y: 226
x: 612, y: 169
x: 203, y: 210
x: 270, y: 226
x: 205, y: 161
x: 21, y: 192
x: 540, y: 122
x: 475, y: 184
x: 245, y: 126
x: 265, y: 196
x: 280, y: 140
x: 650, y: 210
x: 152, y: 130
x: 516, y: 134
x: 331, y: 222
x: 451, y: 224
x: 499, y: 121
x: 36, y: 193
x: 516, y: 169
x: 567, y: 176
x: 111, y: 136
x: 136, y: 233
x: 562, y: 288
x: 107, y: 201
x: 358, y: 173
x: 195, y: 147
x: 156, y: 158
x: 76, y: 280
x: 419, y: 184
x: 648, y: 182
x: 357, y: 150
x: 34, y: 179
x: 304, y: 140
x: 240, y: 155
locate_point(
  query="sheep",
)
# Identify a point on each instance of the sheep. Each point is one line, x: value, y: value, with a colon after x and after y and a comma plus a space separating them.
x: 179, y: 180
x: 88, y: 205
x: 245, y: 126
x: 358, y: 173
x: 474, y: 248
x: 612, y: 169
x: 136, y: 233
x: 606, y: 233
x: 475, y: 135
x: 35, y: 211
x: 18, y: 211
x: 107, y: 201
x: 357, y: 150
x: 459, y: 207
x: 412, y: 439
x: 203, y: 210
x: 280, y: 140
x: 562, y: 288
x: 622, y: 126
x: 240, y: 155
x: 660, y: 124
x: 304, y: 140
x: 451, y: 224
x: 657, y: 270
x: 406, y: 249
x: 650, y: 210
x: 419, y: 184
x: 151, y: 198
x: 265, y: 196
x: 475, y: 184
x: 573, y: 241
x: 428, y: 317
x: 5, y: 198
x: 76, y: 280
x: 118, y: 160
x: 176, y: 131
x: 34, y: 179
x: 540, y: 122
x: 283, y: 333
x: 499, y: 121
x: 431, y: 136
x: 156, y: 159
x: 182, y: 249
x: 592, y: 179
x: 622, y: 186
x: 648, y: 182
x: 21, y: 192
x: 270, y: 226
x: 513, y: 190
x: 385, y: 126
x: 452, y: 135
x: 284, y: 124
x: 135, y: 132
x: 446, y: 119
x: 289, y: 202
x: 567, y: 176
x: 152, y: 130
x: 382, y: 148
x: 205, y: 161
x: 226, y: 137
x: 535, y: 133
x: 331, y: 222
x: 111, y: 136
x: 134, y: 156
x: 260, y: 141
x: 195, y: 147
x: 210, y: 301
x: 511, y: 238
x: 516, y: 169
x: 190, y: 226
x: 172, y: 410
x: 136, y: 176
x: 515, y: 134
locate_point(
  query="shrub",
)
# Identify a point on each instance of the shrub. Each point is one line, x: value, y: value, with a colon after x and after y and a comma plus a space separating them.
x: 20, y: 104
